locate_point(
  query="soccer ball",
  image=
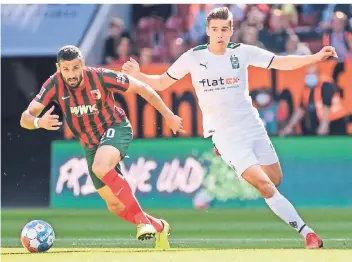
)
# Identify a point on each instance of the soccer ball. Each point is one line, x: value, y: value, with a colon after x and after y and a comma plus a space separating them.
x: 37, y: 236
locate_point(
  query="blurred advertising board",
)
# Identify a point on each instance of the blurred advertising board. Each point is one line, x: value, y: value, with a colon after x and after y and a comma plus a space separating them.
x: 184, y: 173
x: 41, y: 30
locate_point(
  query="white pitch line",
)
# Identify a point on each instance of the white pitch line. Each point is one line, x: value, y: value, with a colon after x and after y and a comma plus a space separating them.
x: 182, y: 239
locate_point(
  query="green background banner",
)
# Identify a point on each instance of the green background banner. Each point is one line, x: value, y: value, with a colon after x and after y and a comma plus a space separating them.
x: 184, y: 173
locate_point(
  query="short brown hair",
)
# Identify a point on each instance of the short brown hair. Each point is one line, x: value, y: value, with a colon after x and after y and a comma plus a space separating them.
x: 222, y: 13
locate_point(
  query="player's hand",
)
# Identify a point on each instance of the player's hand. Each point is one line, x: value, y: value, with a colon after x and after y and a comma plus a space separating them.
x: 49, y: 121
x: 325, y: 53
x: 131, y: 67
x: 174, y: 122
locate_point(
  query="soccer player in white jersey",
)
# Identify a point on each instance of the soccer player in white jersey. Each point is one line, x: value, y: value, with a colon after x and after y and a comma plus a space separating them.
x: 219, y: 76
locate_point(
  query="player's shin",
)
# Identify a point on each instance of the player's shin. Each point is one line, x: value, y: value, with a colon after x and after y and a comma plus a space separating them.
x: 285, y: 210
x: 120, y: 187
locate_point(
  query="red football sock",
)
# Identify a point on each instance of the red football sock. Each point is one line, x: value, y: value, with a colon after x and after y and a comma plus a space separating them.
x: 120, y: 187
x: 157, y: 224
x: 128, y: 216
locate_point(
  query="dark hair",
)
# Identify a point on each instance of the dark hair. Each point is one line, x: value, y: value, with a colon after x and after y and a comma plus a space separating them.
x: 222, y: 13
x: 68, y: 53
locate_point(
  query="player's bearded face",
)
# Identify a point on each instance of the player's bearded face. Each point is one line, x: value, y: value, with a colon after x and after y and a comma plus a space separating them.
x: 72, y: 72
x: 219, y: 32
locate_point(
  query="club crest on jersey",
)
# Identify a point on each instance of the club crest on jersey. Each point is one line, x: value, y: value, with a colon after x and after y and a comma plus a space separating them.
x: 96, y: 94
x: 234, y: 62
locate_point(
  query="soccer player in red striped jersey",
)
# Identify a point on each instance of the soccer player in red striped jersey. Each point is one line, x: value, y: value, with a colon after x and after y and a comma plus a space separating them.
x: 85, y: 96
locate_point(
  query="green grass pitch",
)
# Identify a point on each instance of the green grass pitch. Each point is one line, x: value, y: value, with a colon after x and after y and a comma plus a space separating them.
x: 207, y: 235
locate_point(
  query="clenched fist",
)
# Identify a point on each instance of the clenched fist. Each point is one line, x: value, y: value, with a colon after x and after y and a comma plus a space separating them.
x: 325, y: 53
x: 131, y: 68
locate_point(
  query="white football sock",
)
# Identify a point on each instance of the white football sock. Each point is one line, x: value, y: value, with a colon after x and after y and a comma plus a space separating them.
x: 285, y: 210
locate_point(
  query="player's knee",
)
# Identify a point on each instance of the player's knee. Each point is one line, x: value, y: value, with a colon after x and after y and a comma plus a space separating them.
x: 266, y: 188
x: 115, y: 208
x: 100, y: 168
x: 277, y: 180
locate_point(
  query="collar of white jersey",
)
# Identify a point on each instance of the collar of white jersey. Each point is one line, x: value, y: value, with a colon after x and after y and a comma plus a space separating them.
x: 230, y: 45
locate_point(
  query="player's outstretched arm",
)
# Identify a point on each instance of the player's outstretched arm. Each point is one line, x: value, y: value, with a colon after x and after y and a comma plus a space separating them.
x: 174, y: 122
x: 157, y: 82
x: 292, y: 62
x: 30, y: 119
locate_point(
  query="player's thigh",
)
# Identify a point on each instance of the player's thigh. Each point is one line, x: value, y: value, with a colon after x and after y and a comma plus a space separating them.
x: 112, y: 148
x: 237, y: 154
x: 112, y: 202
x: 267, y: 158
x: 90, y: 155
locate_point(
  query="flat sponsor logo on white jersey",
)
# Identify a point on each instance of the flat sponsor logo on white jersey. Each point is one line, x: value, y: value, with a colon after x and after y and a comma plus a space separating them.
x: 221, y: 81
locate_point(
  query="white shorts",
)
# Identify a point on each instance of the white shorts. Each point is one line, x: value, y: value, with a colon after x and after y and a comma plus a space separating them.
x: 243, y: 151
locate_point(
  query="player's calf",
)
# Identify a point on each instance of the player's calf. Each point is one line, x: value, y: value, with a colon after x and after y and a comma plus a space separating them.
x: 115, y: 208
x: 277, y: 202
x: 106, y: 158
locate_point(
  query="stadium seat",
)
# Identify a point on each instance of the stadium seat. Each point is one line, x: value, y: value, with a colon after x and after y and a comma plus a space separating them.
x: 146, y: 30
x: 310, y: 20
x: 315, y: 45
x: 175, y: 23
x: 159, y: 54
x: 145, y: 23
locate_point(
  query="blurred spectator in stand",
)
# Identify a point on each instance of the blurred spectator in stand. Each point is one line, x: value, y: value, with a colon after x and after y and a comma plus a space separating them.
x: 238, y: 10
x: 250, y: 36
x: 116, y: 32
x: 321, y: 109
x: 328, y: 13
x: 275, y: 35
x: 295, y: 47
x: 176, y: 49
x: 124, y: 50
x: 290, y: 14
x: 198, y: 22
x: 338, y: 36
x: 145, y: 56
x: 237, y: 33
x: 256, y: 16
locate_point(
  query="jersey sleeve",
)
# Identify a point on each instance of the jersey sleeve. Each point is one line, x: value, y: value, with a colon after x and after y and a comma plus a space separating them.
x: 115, y: 81
x: 180, y: 67
x: 259, y: 57
x: 47, y: 92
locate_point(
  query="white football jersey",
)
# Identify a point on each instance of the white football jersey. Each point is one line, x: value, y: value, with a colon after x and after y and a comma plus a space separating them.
x: 221, y: 82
